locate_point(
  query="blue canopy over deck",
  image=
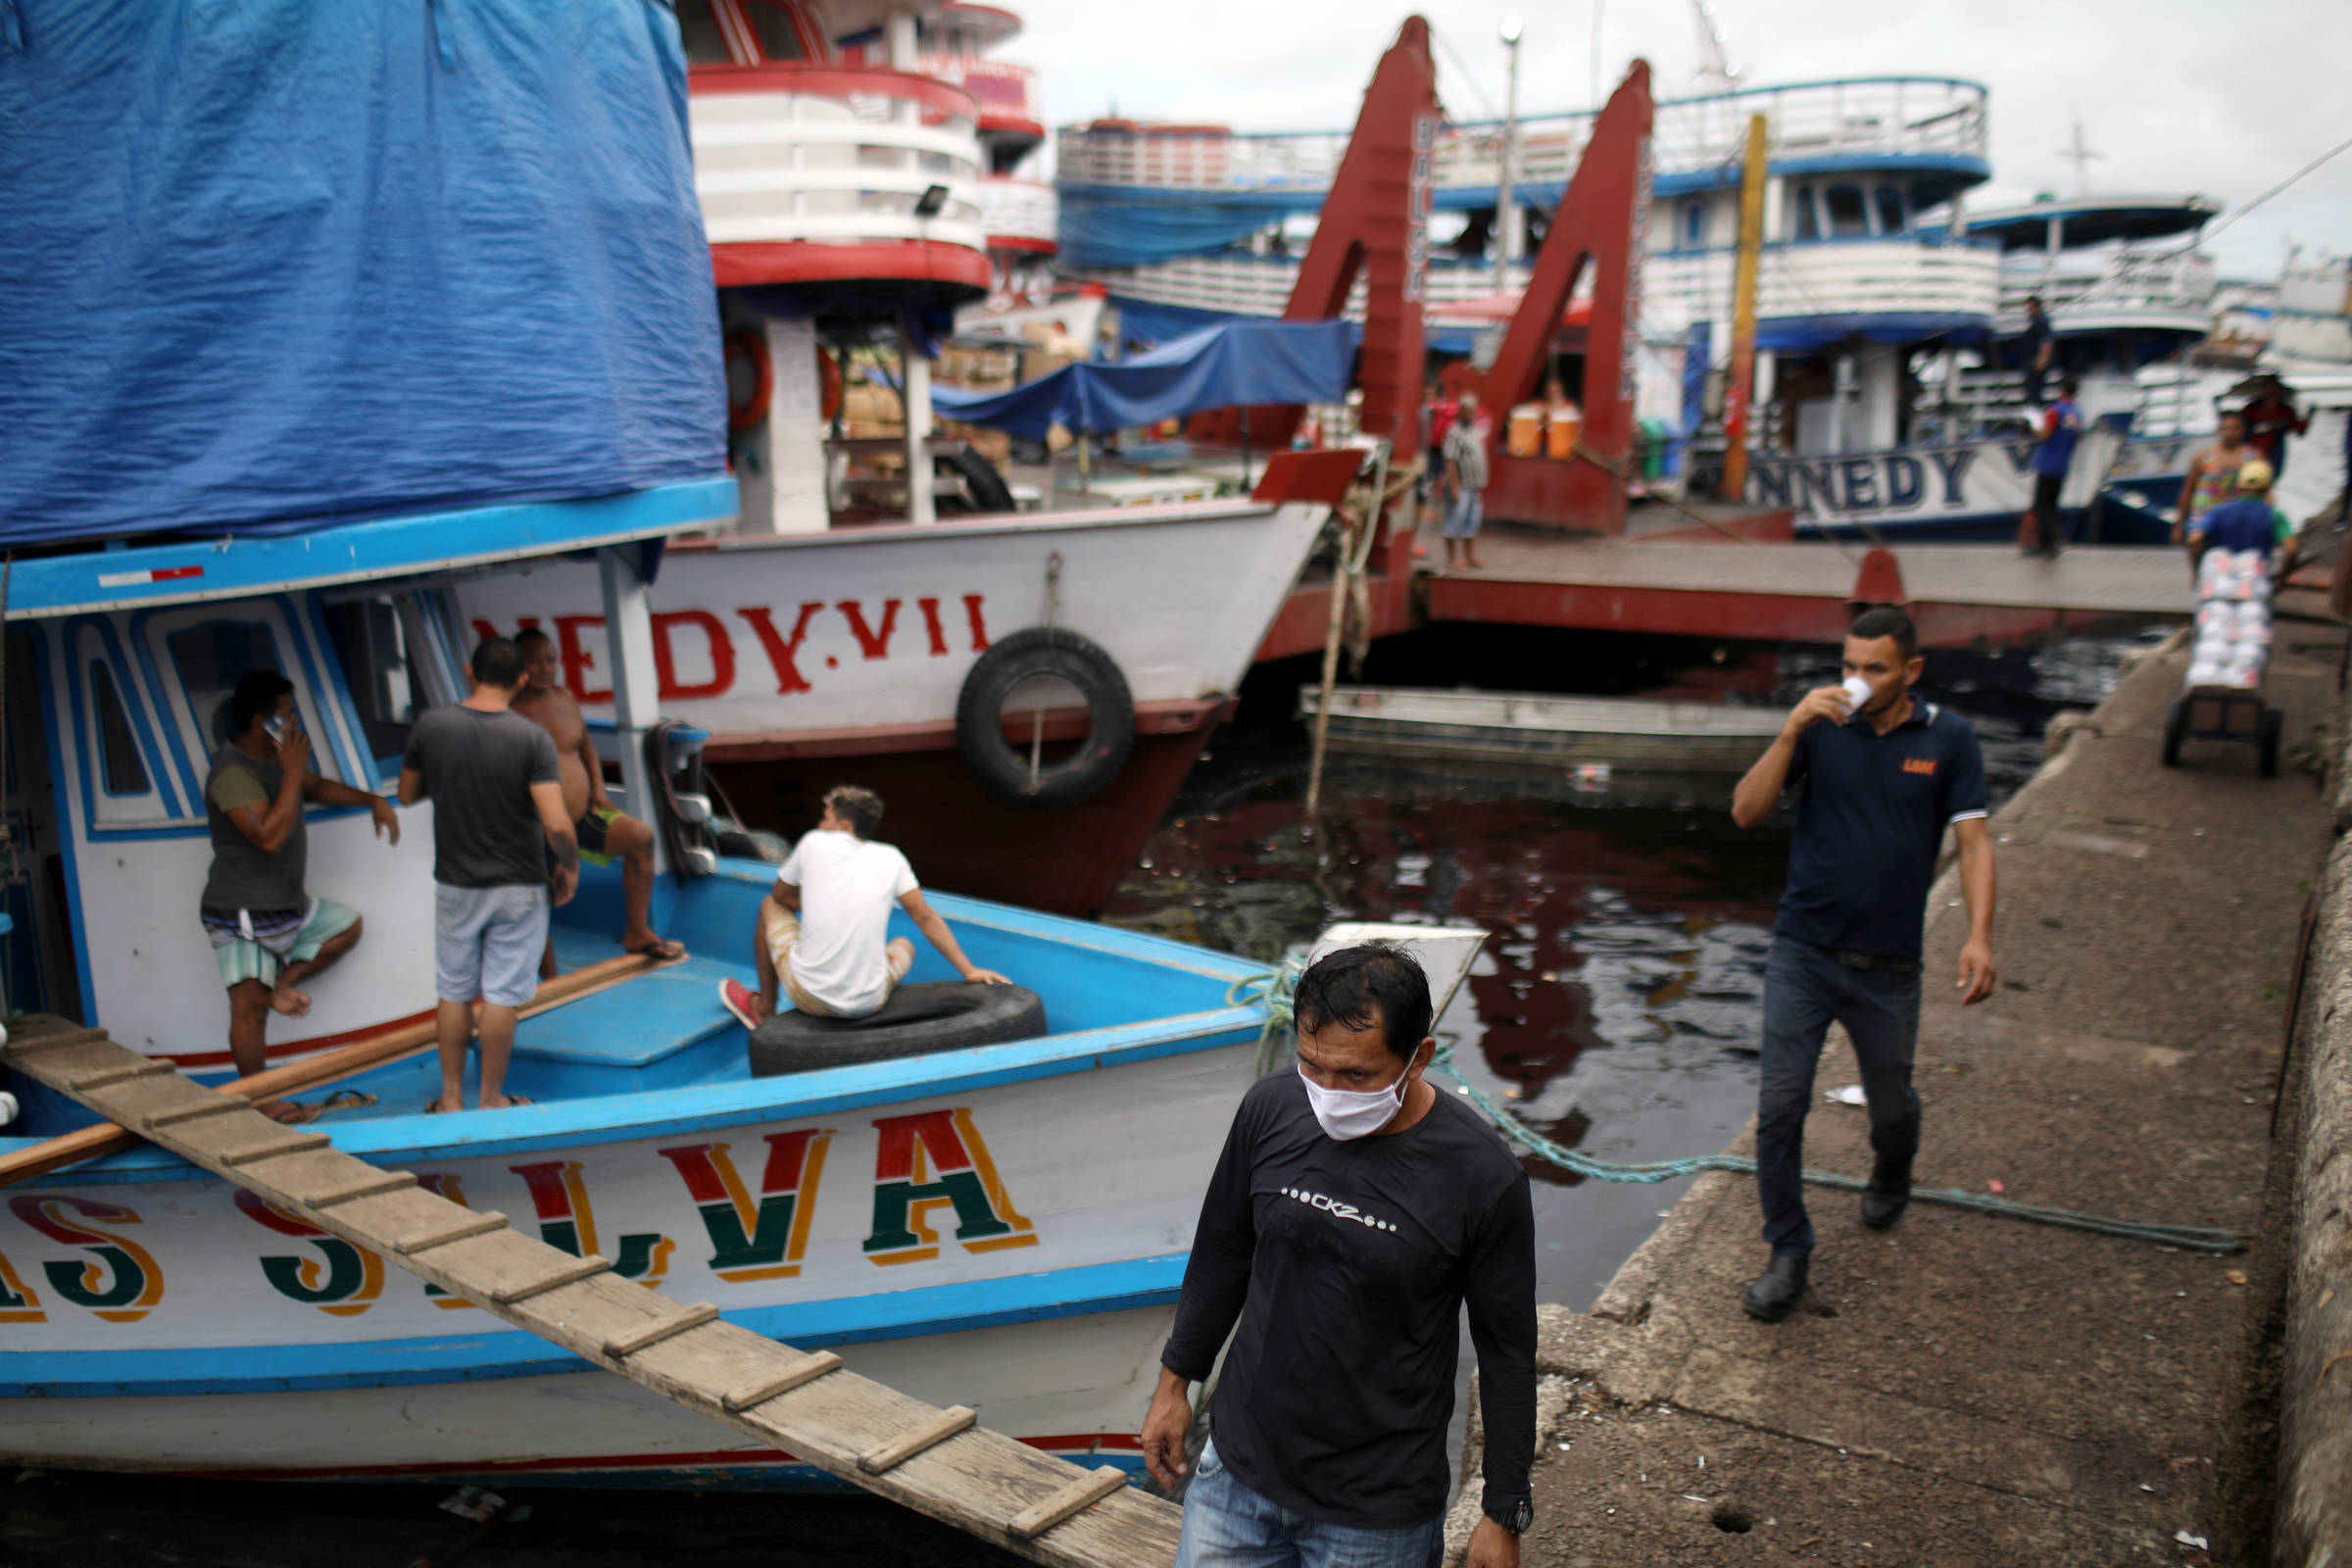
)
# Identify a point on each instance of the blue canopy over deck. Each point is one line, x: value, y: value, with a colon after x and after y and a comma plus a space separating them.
x: 1239, y: 362
x: 274, y: 264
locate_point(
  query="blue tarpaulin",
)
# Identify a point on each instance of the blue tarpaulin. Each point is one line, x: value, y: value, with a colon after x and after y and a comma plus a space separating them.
x: 1219, y: 368
x: 271, y: 264
x: 1138, y: 225
x: 1127, y: 225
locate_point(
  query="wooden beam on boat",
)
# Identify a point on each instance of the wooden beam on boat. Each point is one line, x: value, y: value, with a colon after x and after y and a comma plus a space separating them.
x: 305, y: 1072
x: 938, y: 1462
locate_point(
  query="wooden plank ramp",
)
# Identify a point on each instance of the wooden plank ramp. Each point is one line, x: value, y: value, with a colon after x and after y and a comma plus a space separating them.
x: 938, y: 1462
x: 389, y: 1044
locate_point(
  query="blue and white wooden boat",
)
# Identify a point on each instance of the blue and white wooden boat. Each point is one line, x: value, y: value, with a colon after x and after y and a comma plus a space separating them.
x: 1003, y: 1227
x: 427, y: 300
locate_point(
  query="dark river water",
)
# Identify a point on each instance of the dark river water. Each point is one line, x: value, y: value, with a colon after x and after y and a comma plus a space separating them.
x: 1616, y: 1007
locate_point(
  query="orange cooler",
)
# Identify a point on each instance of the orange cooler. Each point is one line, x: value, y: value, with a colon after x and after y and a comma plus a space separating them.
x: 1561, y: 432
x: 1525, y: 437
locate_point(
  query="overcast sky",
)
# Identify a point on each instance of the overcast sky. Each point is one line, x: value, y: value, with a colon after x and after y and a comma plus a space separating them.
x: 2224, y: 100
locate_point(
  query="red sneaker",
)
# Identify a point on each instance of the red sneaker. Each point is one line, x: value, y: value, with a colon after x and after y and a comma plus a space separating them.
x: 741, y: 1000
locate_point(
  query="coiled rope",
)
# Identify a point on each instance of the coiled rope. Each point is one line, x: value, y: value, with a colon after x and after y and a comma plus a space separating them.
x: 1274, y: 986
x: 1272, y: 990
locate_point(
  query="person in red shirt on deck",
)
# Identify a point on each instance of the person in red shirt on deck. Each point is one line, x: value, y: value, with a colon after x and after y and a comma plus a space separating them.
x: 2271, y: 419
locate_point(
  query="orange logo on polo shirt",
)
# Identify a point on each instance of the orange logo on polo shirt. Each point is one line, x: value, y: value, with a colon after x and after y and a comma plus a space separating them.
x: 1920, y: 764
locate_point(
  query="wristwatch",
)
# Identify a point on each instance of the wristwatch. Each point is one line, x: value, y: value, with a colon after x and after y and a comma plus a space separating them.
x: 1516, y: 1516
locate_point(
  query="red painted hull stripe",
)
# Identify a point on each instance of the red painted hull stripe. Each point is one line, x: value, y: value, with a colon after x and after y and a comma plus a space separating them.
x: 809, y: 261
x: 834, y: 81
x: 295, y: 1047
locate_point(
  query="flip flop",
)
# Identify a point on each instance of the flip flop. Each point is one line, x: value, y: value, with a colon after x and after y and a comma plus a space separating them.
x: 511, y: 1101
x: 660, y: 950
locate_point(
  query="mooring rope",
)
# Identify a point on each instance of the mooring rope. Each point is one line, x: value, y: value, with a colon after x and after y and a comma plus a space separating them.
x: 1278, y: 983
x: 1271, y: 989
x: 2194, y: 1238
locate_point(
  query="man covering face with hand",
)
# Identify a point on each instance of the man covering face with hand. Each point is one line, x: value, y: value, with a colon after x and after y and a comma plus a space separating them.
x: 1353, y: 1213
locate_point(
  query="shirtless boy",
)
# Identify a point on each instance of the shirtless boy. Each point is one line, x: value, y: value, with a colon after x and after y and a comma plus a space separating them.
x: 605, y: 832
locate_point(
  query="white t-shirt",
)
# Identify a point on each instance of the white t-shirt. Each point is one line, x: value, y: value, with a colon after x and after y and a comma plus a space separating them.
x: 847, y: 886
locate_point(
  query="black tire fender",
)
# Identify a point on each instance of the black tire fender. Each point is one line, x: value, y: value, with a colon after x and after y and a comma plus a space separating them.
x: 1109, y: 707
x: 917, y: 1019
x: 982, y: 483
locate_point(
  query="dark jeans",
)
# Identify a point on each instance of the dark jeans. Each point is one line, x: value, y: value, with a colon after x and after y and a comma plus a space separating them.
x: 2045, y: 512
x: 1805, y: 989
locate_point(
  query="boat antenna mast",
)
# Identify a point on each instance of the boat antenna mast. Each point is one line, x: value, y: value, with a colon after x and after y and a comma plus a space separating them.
x: 1715, y: 71
x: 2079, y: 154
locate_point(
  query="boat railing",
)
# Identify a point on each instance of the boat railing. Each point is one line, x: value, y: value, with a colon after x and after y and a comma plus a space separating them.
x: 998, y: 87
x: 833, y: 154
x: 1897, y: 276
x: 1019, y: 214
x: 1901, y: 116
x: 1260, y: 285
x: 2170, y: 280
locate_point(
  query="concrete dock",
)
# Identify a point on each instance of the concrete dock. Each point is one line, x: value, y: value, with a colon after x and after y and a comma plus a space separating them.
x: 1973, y: 1390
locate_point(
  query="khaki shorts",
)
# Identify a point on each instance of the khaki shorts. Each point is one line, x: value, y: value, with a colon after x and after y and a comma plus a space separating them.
x: 784, y: 935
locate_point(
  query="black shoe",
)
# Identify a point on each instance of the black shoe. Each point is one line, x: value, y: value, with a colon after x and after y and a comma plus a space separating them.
x: 1887, y: 1197
x: 1773, y: 1295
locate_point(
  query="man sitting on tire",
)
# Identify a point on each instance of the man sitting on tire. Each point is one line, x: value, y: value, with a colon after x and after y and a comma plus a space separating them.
x: 823, y: 927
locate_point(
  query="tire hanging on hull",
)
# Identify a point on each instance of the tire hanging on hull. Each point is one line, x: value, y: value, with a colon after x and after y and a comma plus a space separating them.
x: 1004, y: 769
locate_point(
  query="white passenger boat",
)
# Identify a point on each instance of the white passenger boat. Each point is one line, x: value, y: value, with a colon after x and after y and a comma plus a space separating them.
x: 863, y: 167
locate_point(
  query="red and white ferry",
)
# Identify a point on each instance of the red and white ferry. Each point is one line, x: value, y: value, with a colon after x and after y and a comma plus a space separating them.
x: 863, y: 171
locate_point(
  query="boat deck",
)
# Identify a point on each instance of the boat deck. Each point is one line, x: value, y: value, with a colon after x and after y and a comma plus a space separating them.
x: 1958, y: 594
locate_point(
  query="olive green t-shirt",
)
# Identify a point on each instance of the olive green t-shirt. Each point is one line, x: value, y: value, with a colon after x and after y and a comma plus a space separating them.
x: 244, y: 875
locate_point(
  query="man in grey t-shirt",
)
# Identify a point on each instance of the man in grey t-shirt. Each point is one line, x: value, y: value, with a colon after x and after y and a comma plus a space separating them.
x: 498, y: 810
x: 1465, y: 483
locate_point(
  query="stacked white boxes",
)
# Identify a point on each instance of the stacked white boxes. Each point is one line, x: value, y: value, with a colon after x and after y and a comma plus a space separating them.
x: 2234, y: 620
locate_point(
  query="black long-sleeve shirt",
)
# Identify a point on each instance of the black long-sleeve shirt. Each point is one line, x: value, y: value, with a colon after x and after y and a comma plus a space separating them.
x: 1348, y: 1264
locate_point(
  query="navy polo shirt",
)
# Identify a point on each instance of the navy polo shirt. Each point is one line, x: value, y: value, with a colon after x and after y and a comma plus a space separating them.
x: 1869, y: 823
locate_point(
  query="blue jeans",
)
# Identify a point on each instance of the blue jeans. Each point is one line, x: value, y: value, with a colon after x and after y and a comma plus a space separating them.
x: 1805, y: 989
x: 1463, y: 514
x: 1226, y: 1525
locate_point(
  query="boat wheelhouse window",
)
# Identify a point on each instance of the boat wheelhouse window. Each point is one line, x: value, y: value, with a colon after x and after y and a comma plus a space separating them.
x: 121, y: 770
x: 372, y: 643
x: 1891, y: 218
x: 114, y: 735
x: 706, y: 44
x: 211, y: 659
x: 1694, y: 225
x: 772, y: 22
x: 1847, y: 218
x: 1808, y: 220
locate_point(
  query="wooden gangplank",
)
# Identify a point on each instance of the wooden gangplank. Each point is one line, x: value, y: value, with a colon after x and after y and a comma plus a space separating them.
x: 372, y: 1050
x: 938, y: 1462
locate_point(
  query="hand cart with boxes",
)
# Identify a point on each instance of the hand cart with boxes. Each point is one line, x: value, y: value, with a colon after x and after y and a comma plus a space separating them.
x: 2225, y: 698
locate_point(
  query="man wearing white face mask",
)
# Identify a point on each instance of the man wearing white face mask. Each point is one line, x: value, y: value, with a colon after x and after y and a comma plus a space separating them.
x: 1883, y: 775
x: 1353, y: 1213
